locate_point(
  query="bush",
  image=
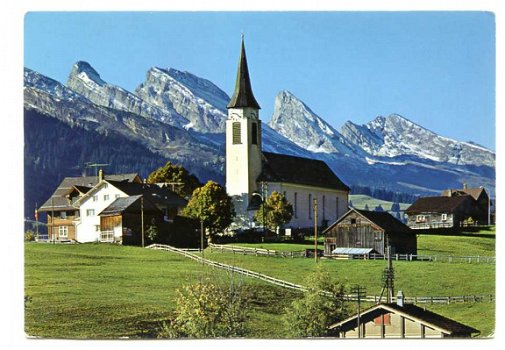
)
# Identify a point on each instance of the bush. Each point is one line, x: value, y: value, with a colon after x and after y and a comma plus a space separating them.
x: 29, y: 236
x: 207, y: 310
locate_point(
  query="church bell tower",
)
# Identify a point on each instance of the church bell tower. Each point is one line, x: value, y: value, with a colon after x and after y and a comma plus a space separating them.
x: 243, y: 139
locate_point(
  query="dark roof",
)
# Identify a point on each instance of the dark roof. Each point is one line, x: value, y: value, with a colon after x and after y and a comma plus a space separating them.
x: 60, y: 202
x: 297, y: 170
x: 153, y: 192
x: 382, y: 219
x: 438, y: 204
x: 243, y: 95
x: 130, y: 204
x: 474, y: 192
x: 411, y: 311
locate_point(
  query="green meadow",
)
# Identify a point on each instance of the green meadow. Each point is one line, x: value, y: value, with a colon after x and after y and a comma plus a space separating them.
x: 104, y: 291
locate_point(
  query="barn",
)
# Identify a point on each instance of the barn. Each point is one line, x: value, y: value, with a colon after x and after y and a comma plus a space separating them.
x: 369, y: 231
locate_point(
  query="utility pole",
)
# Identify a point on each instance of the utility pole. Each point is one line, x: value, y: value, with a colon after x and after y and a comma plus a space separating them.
x: 315, y: 229
x: 201, y: 238
x: 358, y: 292
x: 142, y: 217
x: 388, y: 278
x: 52, y: 220
x: 36, y: 222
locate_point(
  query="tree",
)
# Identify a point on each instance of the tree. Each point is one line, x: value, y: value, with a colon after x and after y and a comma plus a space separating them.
x: 207, y: 310
x: 183, y: 182
x: 379, y: 208
x: 212, y: 205
x: 319, y: 307
x: 277, y: 210
x: 366, y: 207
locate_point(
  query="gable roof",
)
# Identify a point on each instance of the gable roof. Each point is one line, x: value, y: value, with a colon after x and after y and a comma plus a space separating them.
x: 130, y: 204
x: 243, y: 95
x: 410, y: 311
x: 384, y: 220
x: 58, y: 201
x: 474, y: 192
x: 298, y: 170
x: 438, y: 204
x: 153, y: 192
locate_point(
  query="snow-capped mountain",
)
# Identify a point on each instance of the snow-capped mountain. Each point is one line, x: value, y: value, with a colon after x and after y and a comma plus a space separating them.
x: 58, y: 101
x: 395, y: 136
x: 178, y: 116
x: 86, y: 81
x: 201, y: 102
x: 297, y: 122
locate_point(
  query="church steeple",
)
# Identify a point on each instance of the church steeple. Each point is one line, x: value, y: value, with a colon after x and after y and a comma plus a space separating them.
x: 243, y: 95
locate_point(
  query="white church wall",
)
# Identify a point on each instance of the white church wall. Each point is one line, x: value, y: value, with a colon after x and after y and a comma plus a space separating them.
x: 331, y: 204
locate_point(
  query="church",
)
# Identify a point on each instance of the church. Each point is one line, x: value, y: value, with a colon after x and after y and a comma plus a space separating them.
x: 252, y: 175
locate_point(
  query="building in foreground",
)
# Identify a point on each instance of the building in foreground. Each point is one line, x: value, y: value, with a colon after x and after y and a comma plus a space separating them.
x: 400, y: 320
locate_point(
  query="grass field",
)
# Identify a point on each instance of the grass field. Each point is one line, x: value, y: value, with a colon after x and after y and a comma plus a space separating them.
x: 360, y: 200
x: 109, y: 291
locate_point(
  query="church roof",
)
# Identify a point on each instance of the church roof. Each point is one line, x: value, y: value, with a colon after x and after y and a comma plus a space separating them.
x: 243, y: 95
x: 298, y: 170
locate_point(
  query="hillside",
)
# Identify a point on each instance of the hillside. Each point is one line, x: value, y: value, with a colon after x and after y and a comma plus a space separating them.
x: 110, y: 291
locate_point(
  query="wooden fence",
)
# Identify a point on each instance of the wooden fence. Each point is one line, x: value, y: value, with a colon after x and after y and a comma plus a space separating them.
x: 436, y: 258
x: 300, y: 288
x: 255, y: 251
x: 301, y: 254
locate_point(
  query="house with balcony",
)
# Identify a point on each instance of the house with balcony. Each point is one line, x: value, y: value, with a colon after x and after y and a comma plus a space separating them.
x: 62, y: 209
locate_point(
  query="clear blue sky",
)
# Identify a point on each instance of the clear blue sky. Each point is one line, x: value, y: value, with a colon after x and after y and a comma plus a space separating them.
x: 434, y: 68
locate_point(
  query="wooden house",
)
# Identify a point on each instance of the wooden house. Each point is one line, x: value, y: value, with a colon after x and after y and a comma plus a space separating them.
x: 61, y: 209
x: 122, y: 220
x: 441, y: 212
x: 369, y: 231
x: 400, y: 320
x: 482, y: 210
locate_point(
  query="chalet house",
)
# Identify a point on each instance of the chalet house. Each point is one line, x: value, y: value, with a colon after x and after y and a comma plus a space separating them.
x: 366, y: 232
x: 60, y: 207
x: 441, y: 212
x: 482, y: 211
x: 105, y: 204
x: 252, y: 175
x: 400, y: 320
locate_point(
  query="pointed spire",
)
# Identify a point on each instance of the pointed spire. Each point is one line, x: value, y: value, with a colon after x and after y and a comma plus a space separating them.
x: 243, y: 95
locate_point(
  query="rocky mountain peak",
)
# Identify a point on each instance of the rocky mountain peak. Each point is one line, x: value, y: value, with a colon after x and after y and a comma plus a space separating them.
x: 84, y: 71
x: 294, y: 120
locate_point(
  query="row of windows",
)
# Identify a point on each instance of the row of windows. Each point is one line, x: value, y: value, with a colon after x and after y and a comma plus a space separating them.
x: 105, y: 197
x: 237, y: 133
x: 310, y: 206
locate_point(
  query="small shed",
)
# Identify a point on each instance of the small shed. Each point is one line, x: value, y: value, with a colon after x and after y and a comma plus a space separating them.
x: 121, y: 221
x: 365, y: 229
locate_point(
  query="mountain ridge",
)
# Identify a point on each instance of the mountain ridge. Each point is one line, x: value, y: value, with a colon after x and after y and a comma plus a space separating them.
x: 181, y: 117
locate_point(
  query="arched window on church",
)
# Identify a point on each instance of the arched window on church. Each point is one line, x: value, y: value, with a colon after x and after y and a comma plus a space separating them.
x: 236, y: 133
x: 254, y: 133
